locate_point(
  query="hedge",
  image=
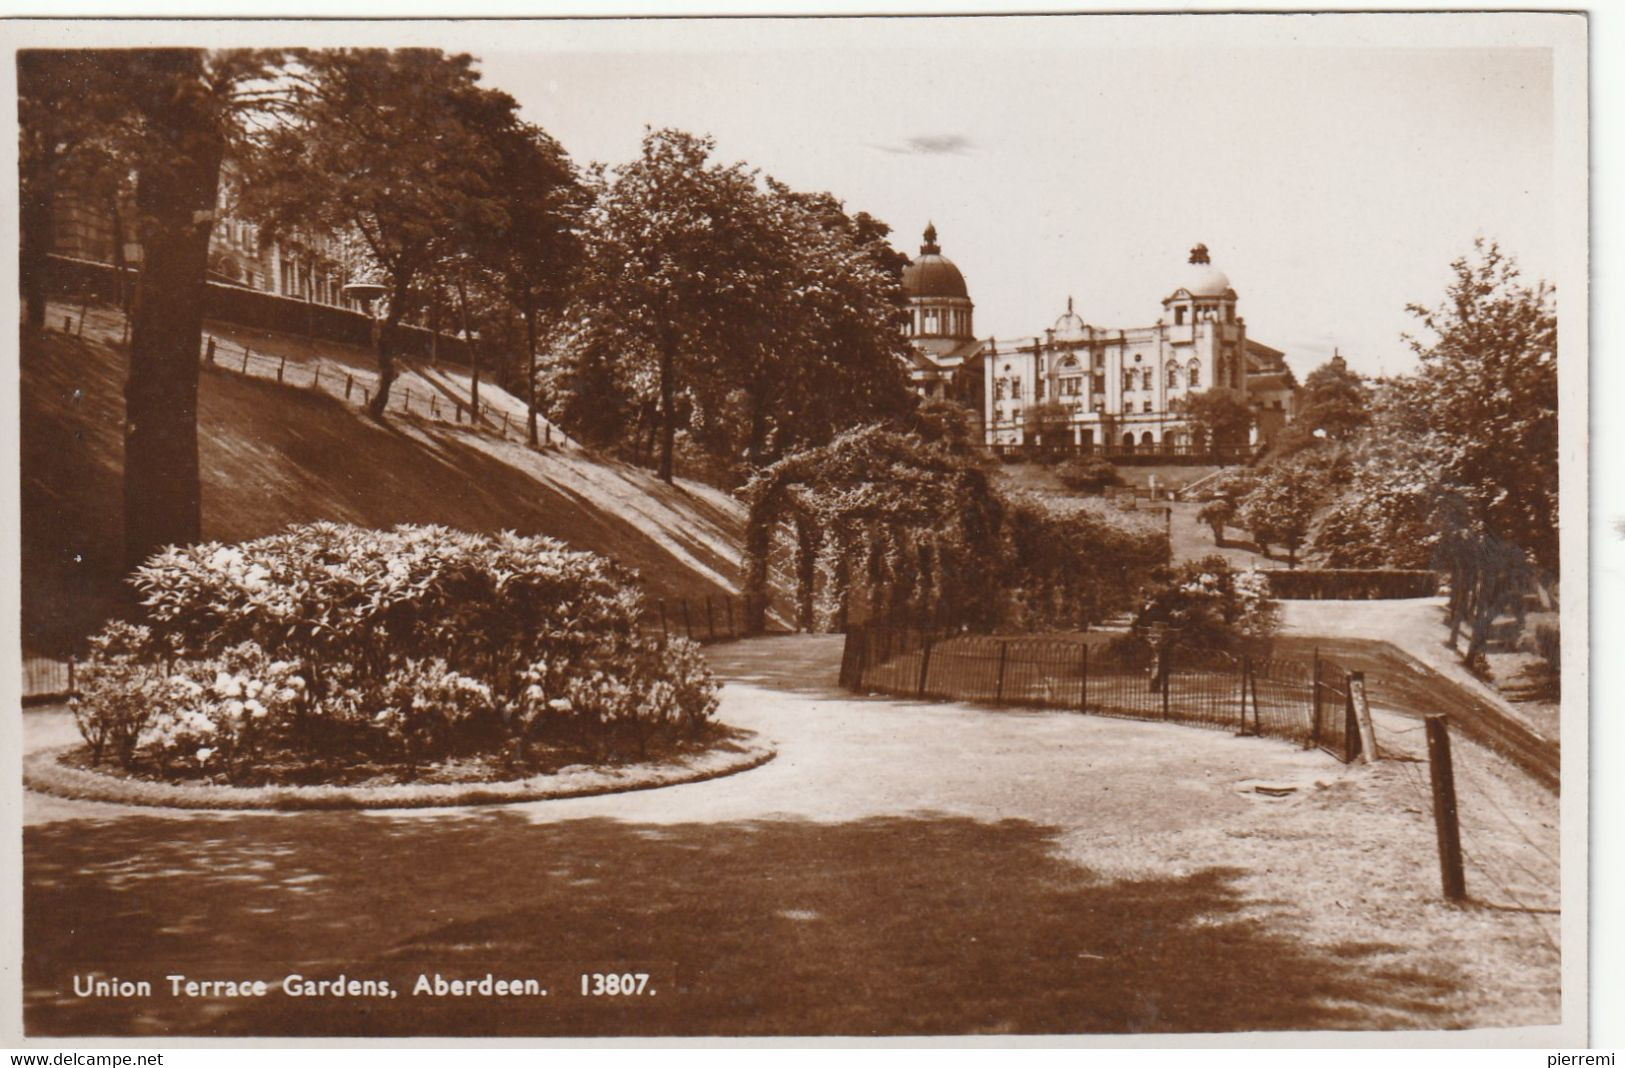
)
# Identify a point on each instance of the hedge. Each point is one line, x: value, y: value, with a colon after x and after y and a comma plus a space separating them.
x: 1351, y: 584
x: 257, y: 309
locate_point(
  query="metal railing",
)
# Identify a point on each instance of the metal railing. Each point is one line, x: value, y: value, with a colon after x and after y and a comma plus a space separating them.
x: 1304, y: 701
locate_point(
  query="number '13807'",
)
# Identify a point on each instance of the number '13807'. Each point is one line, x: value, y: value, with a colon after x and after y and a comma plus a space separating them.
x: 614, y: 984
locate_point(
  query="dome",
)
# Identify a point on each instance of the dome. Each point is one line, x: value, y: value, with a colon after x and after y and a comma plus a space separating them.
x: 1070, y: 326
x: 1202, y: 279
x: 932, y: 274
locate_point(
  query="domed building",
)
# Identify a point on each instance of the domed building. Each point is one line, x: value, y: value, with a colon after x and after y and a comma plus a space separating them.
x: 941, y: 326
x: 1119, y: 387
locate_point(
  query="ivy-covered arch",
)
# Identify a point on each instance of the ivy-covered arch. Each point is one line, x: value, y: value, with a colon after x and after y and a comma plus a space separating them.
x: 916, y: 523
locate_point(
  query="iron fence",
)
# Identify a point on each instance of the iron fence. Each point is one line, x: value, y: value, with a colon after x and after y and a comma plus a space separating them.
x: 1277, y: 696
x: 708, y: 619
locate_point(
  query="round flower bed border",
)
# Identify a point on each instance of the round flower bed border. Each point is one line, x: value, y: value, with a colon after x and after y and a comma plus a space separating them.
x: 45, y: 772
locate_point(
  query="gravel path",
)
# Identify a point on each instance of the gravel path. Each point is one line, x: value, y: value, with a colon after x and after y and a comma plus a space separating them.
x: 900, y: 868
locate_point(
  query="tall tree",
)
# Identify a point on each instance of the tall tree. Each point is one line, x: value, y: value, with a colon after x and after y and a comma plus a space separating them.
x: 535, y: 254
x: 817, y: 348
x: 670, y: 233
x: 1489, y: 390
x: 191, y: 108
x: 1335, y: 406
x: 396, y: 146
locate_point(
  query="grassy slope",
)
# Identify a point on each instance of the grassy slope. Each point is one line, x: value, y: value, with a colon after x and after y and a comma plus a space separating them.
x: 273, y: 455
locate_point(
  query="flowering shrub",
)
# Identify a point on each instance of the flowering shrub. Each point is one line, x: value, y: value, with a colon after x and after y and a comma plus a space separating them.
x: 118, y: 690
x: 416, y: 644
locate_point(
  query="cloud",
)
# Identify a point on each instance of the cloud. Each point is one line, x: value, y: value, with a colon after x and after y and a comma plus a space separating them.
x: 930, y: 145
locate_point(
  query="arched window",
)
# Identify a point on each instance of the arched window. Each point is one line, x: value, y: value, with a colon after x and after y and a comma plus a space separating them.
x: 1069, y: 362
x: 1128, y: 439
x: 1146, y: 439
x: 998, y: 389
x: 1173, y: 376
x: 1194, y: 369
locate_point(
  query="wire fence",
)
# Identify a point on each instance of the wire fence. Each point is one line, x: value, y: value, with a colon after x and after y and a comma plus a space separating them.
x: 1279, y: 697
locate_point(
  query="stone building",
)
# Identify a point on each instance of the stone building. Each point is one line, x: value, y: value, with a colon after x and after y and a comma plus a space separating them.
x: 1119, y: 386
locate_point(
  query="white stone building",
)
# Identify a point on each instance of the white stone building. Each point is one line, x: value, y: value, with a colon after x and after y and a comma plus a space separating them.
x: 1120, y: 385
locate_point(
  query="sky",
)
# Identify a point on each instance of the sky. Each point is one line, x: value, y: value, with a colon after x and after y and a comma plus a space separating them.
x: 1333, y: 180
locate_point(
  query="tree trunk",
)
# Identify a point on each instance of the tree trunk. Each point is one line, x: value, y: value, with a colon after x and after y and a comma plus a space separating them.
x: 37, y: 233
x: 468, y: 343
x: 388, y: 342
x: 668, y: 406
x: 176, y: 195
x: 530, y: 375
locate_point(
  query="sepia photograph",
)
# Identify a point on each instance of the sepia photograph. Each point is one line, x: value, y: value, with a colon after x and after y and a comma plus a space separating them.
x: 1047, y: 528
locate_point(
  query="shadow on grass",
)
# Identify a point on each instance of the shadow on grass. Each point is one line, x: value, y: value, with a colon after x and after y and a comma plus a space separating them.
x: 931, y: 924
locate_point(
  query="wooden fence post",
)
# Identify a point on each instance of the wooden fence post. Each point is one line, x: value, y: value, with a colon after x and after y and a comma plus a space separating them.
x: 209, y: 352
x: 1444, y: 809
x: 245, y: 359
x: 281, y: 365
x: 1351, y: 726
x: 1362, y: 716
x: 925, y: 665
x: 349, y: 384
x: 688, y: 621
x: 1083, y: 695
x: 998, y: 686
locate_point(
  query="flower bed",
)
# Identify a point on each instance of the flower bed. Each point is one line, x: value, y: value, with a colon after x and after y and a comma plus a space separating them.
x: 329, y: 652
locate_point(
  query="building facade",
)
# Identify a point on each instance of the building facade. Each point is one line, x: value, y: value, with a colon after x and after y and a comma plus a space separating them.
x: 1119, y: 388
x: 311, y: 268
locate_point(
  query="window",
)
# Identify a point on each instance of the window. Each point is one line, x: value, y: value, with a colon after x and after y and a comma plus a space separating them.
x: 1038, y: 391
x: 1146, y: 407
x: 1173, y: 376
x: 1194, y: 373
x: 1179, y: 315
x: 998, y: 389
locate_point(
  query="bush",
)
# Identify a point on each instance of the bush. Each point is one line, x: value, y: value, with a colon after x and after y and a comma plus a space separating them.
x: 1207, y: 604
x: 1090, y: 474
x: 414, y: 644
